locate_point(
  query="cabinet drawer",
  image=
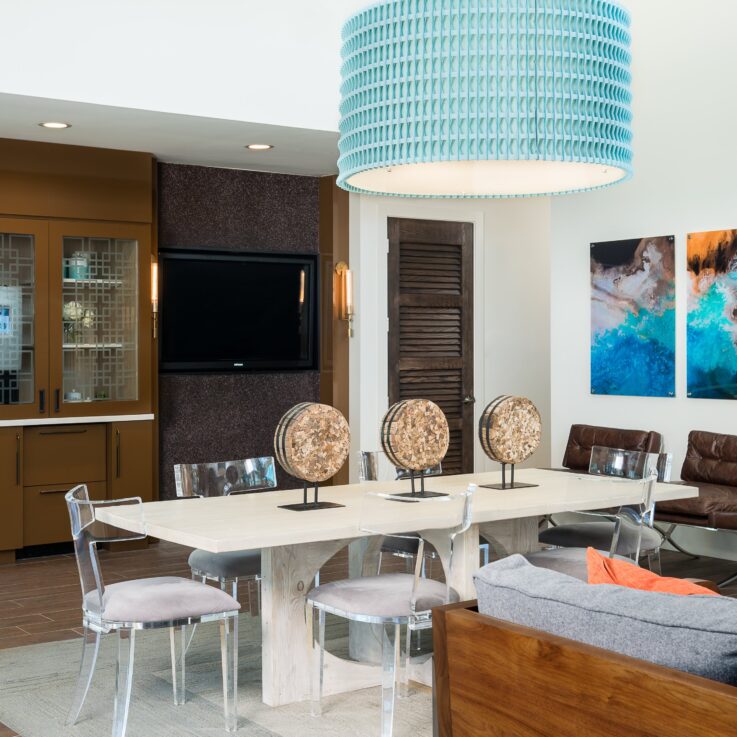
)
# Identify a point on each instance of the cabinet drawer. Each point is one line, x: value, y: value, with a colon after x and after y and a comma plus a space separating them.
x: 63, y: 454
x: 45, y: 515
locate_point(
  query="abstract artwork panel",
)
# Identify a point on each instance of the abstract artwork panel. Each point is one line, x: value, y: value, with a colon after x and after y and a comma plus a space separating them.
x: 712, y: 315
x: 633, y: 317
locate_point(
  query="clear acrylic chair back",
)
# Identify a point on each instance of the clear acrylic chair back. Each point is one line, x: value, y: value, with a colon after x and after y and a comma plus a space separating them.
x: 87, y: 533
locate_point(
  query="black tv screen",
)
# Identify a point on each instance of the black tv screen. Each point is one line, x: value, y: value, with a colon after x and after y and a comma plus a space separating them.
x: 237, y: 312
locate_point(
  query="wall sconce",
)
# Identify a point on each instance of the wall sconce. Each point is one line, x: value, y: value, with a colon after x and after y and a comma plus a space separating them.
x: 154, y: 296
x: 344, y: 294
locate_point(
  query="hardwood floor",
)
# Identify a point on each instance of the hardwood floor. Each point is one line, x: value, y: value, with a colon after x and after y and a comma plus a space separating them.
x: 40, y: 597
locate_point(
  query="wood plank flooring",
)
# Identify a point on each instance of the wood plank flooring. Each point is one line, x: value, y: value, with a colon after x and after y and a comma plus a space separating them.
x: 40, y: 597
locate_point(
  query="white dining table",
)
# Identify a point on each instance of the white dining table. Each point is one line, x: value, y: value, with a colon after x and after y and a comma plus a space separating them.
x: 295, y: 545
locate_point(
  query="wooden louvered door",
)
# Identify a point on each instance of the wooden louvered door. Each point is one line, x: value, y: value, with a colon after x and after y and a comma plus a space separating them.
x: 430, y: 288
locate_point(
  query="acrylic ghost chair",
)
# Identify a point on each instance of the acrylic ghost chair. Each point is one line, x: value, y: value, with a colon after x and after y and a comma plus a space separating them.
x: 375, y: 466
x: 636, y: 536
x: 223, y: 479
x: 392, y: 600
x: 141, y: 604
x: 627, y: 525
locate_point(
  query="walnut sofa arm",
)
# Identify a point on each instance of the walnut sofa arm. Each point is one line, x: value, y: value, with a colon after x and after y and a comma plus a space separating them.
x: 496, y: 679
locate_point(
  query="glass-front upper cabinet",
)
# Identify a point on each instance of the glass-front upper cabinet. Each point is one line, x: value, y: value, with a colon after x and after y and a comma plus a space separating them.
x: 23, y: 318
x: 100, y: 318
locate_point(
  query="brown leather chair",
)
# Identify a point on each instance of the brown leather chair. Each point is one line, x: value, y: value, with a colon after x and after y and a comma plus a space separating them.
x: 584, y: 437
x: 711, y: 464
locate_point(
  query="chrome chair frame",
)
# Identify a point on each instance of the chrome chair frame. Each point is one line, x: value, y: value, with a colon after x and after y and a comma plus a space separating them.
x: 186, y: 488
x: 86, y: 539
x: 393, y: 664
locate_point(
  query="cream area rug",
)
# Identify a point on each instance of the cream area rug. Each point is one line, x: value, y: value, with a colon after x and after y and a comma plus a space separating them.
x: 37, y: 682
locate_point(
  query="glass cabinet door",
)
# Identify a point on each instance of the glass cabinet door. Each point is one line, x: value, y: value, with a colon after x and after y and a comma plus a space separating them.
x: 23, y: 323
x: 99, y: 321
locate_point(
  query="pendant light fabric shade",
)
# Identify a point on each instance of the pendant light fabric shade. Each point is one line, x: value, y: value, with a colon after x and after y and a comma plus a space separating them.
x: 485, y: 98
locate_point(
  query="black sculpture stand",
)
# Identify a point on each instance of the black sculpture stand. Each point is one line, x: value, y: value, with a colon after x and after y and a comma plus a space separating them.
x: 306, y: 506
x: 421, y: 494
x: 503, y: 486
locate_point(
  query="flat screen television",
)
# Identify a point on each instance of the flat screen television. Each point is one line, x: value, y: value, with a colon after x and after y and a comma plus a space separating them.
x: 237, y: 311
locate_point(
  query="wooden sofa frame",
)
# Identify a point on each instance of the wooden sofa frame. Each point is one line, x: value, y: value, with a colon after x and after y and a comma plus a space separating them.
x: 497, y: 679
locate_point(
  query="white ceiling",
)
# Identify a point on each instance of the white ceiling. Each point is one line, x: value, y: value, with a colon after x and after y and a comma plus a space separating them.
x: 172, y: 137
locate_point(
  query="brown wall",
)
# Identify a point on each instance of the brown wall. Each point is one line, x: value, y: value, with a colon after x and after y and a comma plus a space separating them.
x: 213, y: 417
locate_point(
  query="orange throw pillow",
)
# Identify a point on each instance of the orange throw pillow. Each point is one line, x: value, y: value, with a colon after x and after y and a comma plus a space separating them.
x: 622, y: 573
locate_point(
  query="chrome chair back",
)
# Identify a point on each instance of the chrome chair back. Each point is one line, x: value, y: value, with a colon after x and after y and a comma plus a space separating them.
x: 225, y: 477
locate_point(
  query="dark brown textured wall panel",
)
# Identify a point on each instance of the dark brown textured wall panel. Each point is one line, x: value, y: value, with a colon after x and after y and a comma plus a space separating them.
x: 228, y: 209
x: 219, y: 417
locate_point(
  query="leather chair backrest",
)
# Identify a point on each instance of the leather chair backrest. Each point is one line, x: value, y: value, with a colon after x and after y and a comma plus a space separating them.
x: 711, y: 458
x: 584, y: 437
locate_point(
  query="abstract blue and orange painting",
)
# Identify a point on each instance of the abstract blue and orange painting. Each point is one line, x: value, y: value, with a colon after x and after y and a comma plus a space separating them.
x: 633, y: 317
x: 712, y: 315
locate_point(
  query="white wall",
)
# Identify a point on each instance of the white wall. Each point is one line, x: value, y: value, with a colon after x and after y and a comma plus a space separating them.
x: 511, y: 299
x: 685, y: 109
x: 247, y: 60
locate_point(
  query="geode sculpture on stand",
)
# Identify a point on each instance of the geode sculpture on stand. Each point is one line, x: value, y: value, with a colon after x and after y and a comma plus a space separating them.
x: 312, y: 442
x: 510, y: 430
x: 415, y: 436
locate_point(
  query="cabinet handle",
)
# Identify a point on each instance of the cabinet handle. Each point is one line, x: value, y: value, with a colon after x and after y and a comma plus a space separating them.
x: 57, y: 399
x: 17, y: 459
x: 42, y: 401
x: 63, y: 432
x: 117, y: 454
x: 54, y: 491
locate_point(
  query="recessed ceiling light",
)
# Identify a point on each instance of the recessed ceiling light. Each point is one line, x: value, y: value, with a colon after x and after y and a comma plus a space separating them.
x: 259, y: 146
x: 56, y: 125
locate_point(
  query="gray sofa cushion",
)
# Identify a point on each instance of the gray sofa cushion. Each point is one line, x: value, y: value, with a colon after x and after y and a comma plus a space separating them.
x: 161, y: 599
x: 599, y: 535
x: 238, y: 564
x: 697, y: 634
x: 381, y: 597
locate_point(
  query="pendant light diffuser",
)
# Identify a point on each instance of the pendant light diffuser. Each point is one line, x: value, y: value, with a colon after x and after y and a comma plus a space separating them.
x: 485, y: 98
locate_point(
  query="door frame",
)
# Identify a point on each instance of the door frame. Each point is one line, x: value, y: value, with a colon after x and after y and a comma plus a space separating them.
x: 369, y: 246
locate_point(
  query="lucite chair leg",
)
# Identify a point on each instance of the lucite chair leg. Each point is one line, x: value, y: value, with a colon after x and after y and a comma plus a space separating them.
x: 258, y: 595
x: 318, y: 658
x: 90, y: 649
x: 378, y: 563
x: 404, y: 670
x: 178, y: 640
x: 123, y: 681
x: 389, y: 661
x: 653, y: 562
x: 229, y: 656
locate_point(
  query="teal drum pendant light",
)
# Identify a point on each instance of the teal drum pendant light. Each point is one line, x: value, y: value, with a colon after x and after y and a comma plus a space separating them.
x: 485, y: 98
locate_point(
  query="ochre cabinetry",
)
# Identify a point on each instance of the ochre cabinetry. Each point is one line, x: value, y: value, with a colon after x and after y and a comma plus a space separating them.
x: 39, y: 464
x: 76, y: 339
x: 130, y: 459
x: 11, y: 490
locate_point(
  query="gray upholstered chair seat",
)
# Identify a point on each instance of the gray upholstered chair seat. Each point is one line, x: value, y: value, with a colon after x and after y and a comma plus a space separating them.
x: 238, y: 564
x: 599, y: 535
x: 385, y: 596
x: 161, y: 599
x: 571, y: 561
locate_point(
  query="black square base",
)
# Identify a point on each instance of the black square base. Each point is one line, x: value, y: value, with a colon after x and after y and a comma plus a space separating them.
x: 421, y: 494
x: 301, y: 507
x: 509, y: 486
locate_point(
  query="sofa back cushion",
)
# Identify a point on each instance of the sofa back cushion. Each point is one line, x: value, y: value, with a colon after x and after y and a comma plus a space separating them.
x: 583, y: 438
x: 711, y: 458
x: 697, y: 634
